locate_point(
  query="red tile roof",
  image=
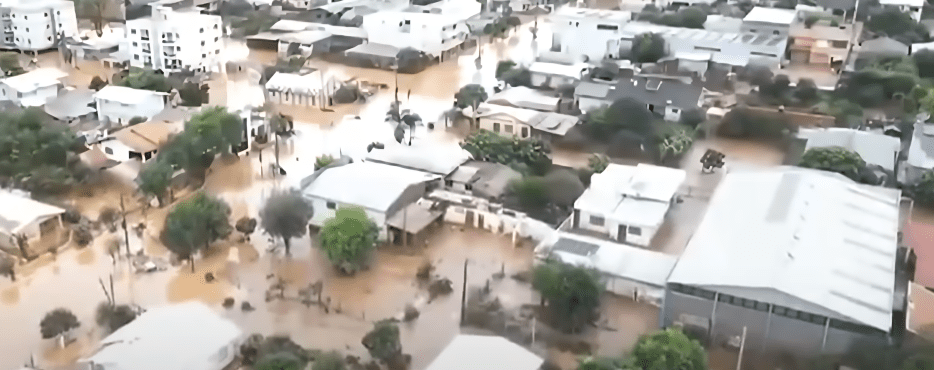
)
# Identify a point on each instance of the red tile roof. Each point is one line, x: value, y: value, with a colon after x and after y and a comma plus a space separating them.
x: 920, y: 237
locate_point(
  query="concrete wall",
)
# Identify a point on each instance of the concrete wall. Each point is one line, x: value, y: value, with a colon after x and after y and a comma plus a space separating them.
x: 29, y: 98
x: 580, y: 37
x: 611, y: 227
x: 550, y: 81
x: 762, y: 28
x: 121, y: 113
x: 505, y: 123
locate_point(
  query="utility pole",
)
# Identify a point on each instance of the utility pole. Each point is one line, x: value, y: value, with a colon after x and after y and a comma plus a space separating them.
x: 742, y: 346
x: 126, y: 233
x: 464, y: 293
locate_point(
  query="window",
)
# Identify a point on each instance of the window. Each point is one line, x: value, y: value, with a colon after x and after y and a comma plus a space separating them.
x: 748, y: 303
x: 776, y: 33
x: 48, y: 26
x: 215, y: 26
x: 204, y: 55
x: 495, y: 126
x: 607, y: 27
x: 201, y: 30
x: 135, y: 44
x: 27, y: 29
x: 449, y: 183
x: 45, y: 14
x: 216, y: 39
x: 108, y: 150
x: 218, y: 51
x: 507, y: 129
x: 839, y: 44
x: 135, y: 56
x: 468, y: 186
x: 597, y: 220
x: 762, y: 306
x: 133, y: 31
x: 458, y: 210
x: 202, y: 43
x: 635, y: 230
x: 332, y: 205
x: 50, y: 38
x: 675, y: 110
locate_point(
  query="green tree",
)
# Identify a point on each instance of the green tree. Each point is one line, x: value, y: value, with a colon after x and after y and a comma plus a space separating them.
x: 692, y: 118
x: 279, y: 361
x: 191, y: 95
x: 136, y: 120
x: 488, y: 146
x: 348, y: 238
x: 383, y: 341
x: 806, y: 90
x: 924, y: 61
x: 518, y: 77
x: 563, y: 187
x: 572, y: 293
x: 922, y: 191
x: 58, y: 322
x: 470, y: 96
x: 692, y: 17
x: 598, y: 162
x: 112, y: 317
x: 286, y: 215
x: 603, y: 363
x: 9, y: 63
x: 532, y: 192
x: 196, y: 222
x: 97, y: 83
x: 146, y: 79
x: 256, y: 21
x: 34, y: 153
x: 95, y: 11
x: 329, y: 361
x: 668, y: 349
x: 323, y: 161
x: 918, y: 362
x: 897, y: 24
x: 504, y: 66
x: 214, y: 131
x: 623, y: 114
x: 648, y: 48
x: 154, y: 179
x: 834, y: 159
x: 926, y: 103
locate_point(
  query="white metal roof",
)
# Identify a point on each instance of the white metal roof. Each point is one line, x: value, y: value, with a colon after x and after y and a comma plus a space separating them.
x: 182, y: 336
x: 810, y: 240
x: 287, y: 25
x: 771, y: 15
x: 874, y: 148
x: 293, y: 82
x: 35, y: 79
x: 555, y: 69
x: 472, y: 352
x: 619, y: 260
x: 17, y: 211
x: 370, y: 185
x: 432, y: 158
x: 921, y: 150
x: 913, y: 3
x: 635, y: 195
x: 524, y: 97
x: 124, y: 94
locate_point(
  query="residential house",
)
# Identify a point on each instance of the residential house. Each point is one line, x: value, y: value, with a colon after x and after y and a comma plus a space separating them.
x: 37, y: 25
x: 825, y: 43
x: 156, y: 42
x: 117, y: 105
x: 732, y: 49
x: 352, y: 185
x: 432, y: 33
x: 72, y: 105
x: 800, y: 261
x: 182, y: 336
x: 517, y: 6
x: 768, y: 21
x: 662, y: 95
x: 298, y: 37
x: 485, y: 352
x: 627, y: 203
x: 912, y: 7
x: 526, y: 98
x: 305, y: 88
x: 522, y: 123
x: 920, y: 154
x: 33, y: 88
x: 844, y: 8
x: 627, y: 271
x: 481, y: 213
x: 22, y: 217
x: 879, y: 48
x: 461, y: 10
x: 435, y: 159
x: 553, y: 75
x: 589, y: 34
x: 723, y: 24
x: 140, y: 141
x: 918, y: 236
x: 875, y: 148
x: 487, y: 180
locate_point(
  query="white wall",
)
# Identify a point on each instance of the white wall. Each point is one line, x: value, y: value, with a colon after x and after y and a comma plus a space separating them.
x: 323, y: 213
x: 37, y: 28
x: 768, y: 29
x: 33, y: 98
x: 579, y: 37
x: 489, y: 123
x: 610, y: 228
x: 539, y: 79
x: 914, y: 11
x: 121, y: 113
x: 672, y: 114
x: 115, y: 150
x: 191, y: 40
x: 424, y: 32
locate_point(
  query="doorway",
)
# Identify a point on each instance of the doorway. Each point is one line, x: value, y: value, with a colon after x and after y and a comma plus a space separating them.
x: 621, y: 234
x: 468, y: 220
x: 480, y: 223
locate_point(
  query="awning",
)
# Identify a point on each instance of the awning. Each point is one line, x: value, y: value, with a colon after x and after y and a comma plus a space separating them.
x: 920, y: 320
x: 413, y: 218
x: 374, y: 49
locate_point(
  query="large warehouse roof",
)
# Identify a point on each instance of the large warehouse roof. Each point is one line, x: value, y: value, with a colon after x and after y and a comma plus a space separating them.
x: 806, y: 239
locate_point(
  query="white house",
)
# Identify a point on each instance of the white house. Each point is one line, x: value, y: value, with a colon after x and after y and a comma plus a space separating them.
x: 434, y: 34
x: 628, y: 203
x: 37, y: 25
x: 524, y: 97
x: 875, y: 148
x: 157, y: 42
x: 33, y: 88
x: 912, y: 7
x: 735, y: 49
x: 304, y: 89
x: 20, y: 215
x: 140, y: 141
x: 381, y: 190
x: 485, y: 352
x: 626, y: 270
x: 768, y: 21
x: 183, y: 336
x: 591, y: 34
x: 118, y: 104
x: 520, y: 122
x: 461, y: 10
x: 553, y: 75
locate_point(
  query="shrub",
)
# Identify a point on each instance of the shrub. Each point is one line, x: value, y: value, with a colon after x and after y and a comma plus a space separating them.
x: 744, y: 123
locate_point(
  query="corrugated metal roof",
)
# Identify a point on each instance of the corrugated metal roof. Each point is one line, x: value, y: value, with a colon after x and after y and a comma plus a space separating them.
x: 613, y: 259
x: 472, y: 352
x: 834, y: 252
x: 874, y: 148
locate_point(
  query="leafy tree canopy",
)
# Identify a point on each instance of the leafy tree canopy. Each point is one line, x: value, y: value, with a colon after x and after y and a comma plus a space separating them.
x: 279, y: 361
x: 329, y: 361
x: 598, y: 162
x: 532, y: 192
x: 623, y: 114
x: 897, y: 24
x: 470, y: 96
x: 648, y: 48
x: 668, y: 349
x: 834, y: 159
x: 383, y: 342
x: 492, y: 147
x: 564, y: 187
x: 323, y: 161
x: 155, y: 178
x: 9, y: 63
x: 34, y: 153
x: 348, y: 238
x: 571, y: 292
x: 114, y: 317
x: 146, y: 79
x: 214, y: 130
x: 256, y: 21
x: 57, y: 322
x: 923, y: 190
x: 286, y: 215
x: 196, y: 222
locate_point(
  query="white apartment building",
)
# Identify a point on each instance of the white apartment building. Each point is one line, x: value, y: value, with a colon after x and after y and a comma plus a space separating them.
x: 37, y: 25
x: 588, y: 34
x: 173, y: 40
x: 431, y: 33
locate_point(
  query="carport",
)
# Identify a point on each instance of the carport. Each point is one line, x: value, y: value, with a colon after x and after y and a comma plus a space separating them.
x: 380, y: 55
x: 409, y: 225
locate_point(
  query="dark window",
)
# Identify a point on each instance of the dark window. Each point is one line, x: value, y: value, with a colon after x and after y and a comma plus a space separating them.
x: 468, y: 186
x: 635, y: 230
x: 202, y: 30
x: 736, y: 301
x: 108, y: 151
x: 706, y: 294
x: 776, y: 33
x: 607, y: 27
x: 204, y: 55
x: 134, y: 43
x: 597, y: 220
x: 202, y: 43
x: 332, y: 205
x: 748, y: 303
x: 716, y: 50
x: 778, y: 310
x: 136, y: 57
x: 449, y: 183
x: 724, y: 298
x: 133, y: 31
x: 762, y: 306
x: 818, y: 319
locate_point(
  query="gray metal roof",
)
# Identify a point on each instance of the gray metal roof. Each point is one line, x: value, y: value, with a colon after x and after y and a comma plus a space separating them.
x: 578, y: 247
x: 431, y: 158
x: 370, y: 185
x: 883, y: 46
x: 471, y: 352
x: 658, y: 91
x: 71, y: 104
x: 492, y: 179
x: 807, y: 239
